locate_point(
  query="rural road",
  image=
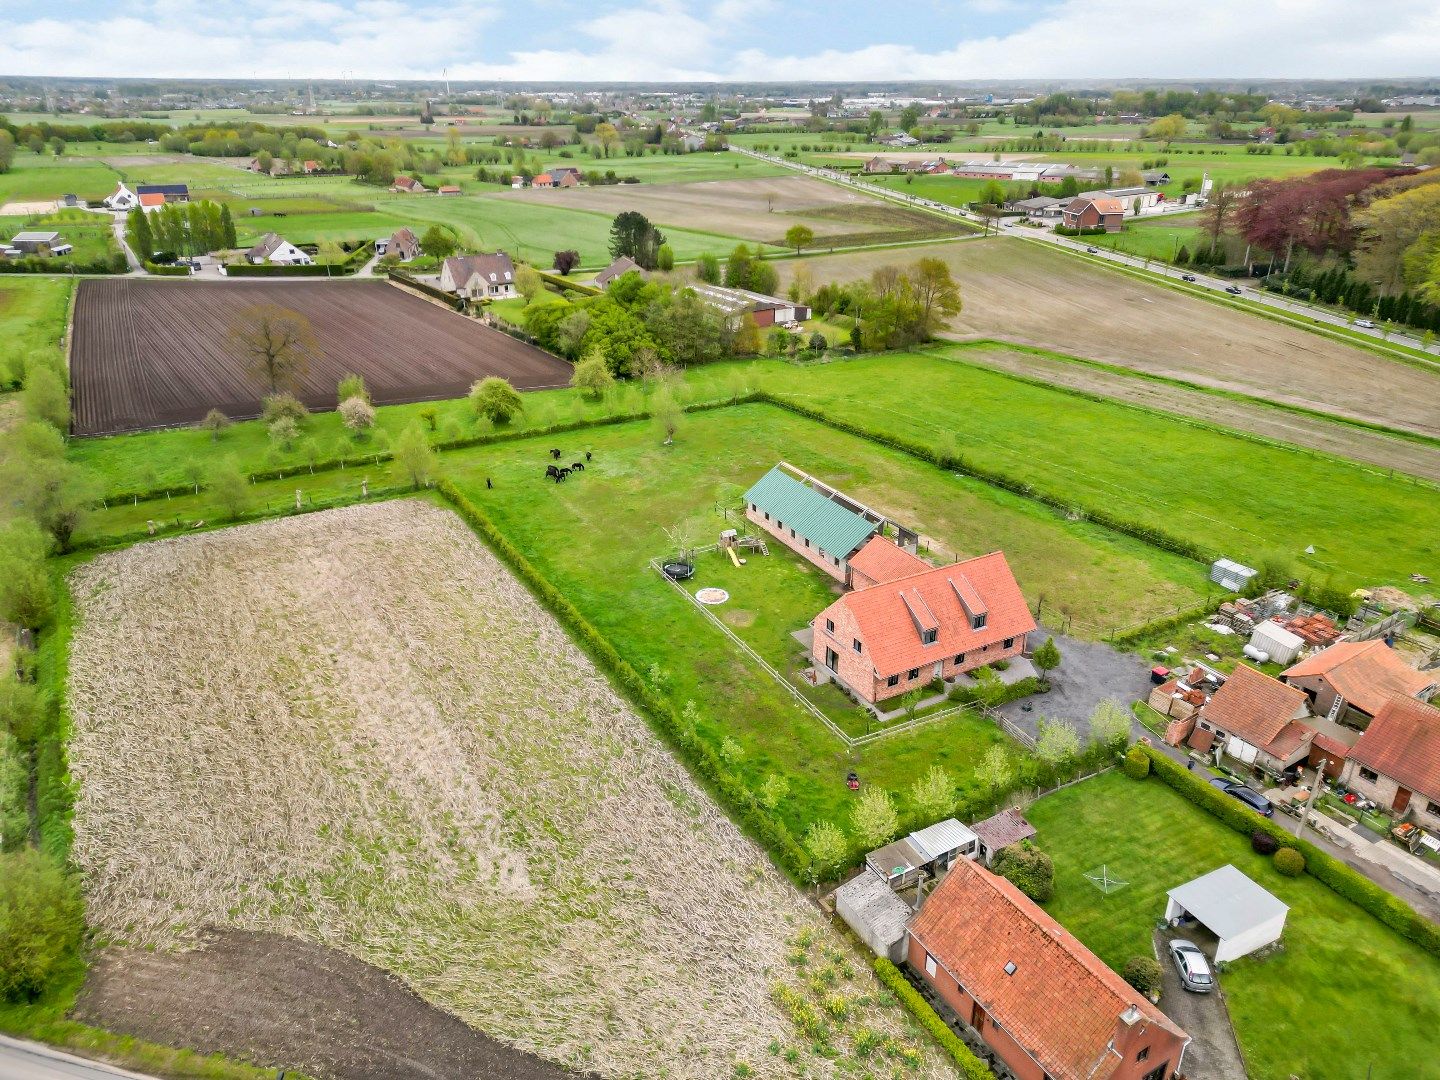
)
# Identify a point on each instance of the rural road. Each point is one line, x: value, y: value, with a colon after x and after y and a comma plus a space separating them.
x: 21, y: 1060
x: 1270, y: 300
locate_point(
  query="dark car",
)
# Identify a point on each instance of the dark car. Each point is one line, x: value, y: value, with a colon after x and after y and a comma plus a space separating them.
x: 1092, y: 250
x: 1187, y: 277
x: 1234, y: 290
x: 1253, y: 799
x: 1194, y: 969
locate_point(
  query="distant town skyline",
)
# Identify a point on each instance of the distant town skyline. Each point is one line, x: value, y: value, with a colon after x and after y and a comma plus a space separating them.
x: 751, y: 40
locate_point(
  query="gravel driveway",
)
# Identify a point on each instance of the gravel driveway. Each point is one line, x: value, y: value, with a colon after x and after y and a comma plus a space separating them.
x: 1089, y: 672
x: 1213, y: 1053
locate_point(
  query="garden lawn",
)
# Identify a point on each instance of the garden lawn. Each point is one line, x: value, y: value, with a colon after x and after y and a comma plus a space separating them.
x: 1343, y: 996
x: 38, y: 178
x: 32, y: 322
x: 1158, y: 238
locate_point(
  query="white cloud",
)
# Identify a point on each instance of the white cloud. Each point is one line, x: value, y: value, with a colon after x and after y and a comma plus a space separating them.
x: 727, y: 39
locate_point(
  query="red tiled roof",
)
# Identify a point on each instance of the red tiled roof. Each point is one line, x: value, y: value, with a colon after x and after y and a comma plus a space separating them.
x: 888, y: 630
x: 1257, y: 708
x: 1061, y: 1004
x: 1364, y: 673
x: 1201, y: 739
x: 1403, y: 743
x: 152, y: 199
x: 883, y: 560
x: 1333, y: 747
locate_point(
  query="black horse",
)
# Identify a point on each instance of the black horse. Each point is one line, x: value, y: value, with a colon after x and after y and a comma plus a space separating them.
x: 551, y: 471
x: 555, y: 454
x: 578, y: 466
x: 561, y: 474
x: 587, y: 455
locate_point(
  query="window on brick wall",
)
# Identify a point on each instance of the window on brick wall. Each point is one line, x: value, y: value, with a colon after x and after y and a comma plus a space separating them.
x: 1143, y: 1054
x: 959, y: 659
x: 930, y: 965
x: 1007, y: 643
x: 893, y: 680
x: 829, y: 626
x: 857, y: 644
x: 913, y: 673
x: 1369, y: 774
x: 1157, y: 1073
x: 1433, y: 808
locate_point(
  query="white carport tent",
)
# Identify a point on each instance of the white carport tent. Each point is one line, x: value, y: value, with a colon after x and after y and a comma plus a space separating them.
x: 1232, y: 907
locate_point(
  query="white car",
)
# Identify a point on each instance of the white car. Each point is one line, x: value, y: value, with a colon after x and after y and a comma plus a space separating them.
x: 1194, y: 969
x: 1365, y: 324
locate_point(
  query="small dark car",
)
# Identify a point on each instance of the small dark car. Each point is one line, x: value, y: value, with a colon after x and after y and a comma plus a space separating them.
x: 1253, y: 799
x: 1187, y: 277
x: 1234, y: 290
x: 1092, y: 250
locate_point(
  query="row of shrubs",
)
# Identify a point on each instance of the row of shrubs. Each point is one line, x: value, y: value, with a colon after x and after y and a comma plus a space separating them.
x: 709, y: 768
x: 970, y: 1066
x: 1167, y: 622
x: 37, y: 264
x: 955, y: 463
x: 1329, y: 871
x: 1089, y: 230
x: 356, y: 260
x: 167, y: 269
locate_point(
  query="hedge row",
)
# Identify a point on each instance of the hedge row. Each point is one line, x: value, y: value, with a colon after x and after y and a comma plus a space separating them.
x: 1353, y: 886
x: 970, y: 1066
x: 429, y: 290
x: 728, y: 787
x: 562, y: 282
x: 167, y: 270
x: 151, y: 494
x: 1141, y: 531
x: 36, y: 264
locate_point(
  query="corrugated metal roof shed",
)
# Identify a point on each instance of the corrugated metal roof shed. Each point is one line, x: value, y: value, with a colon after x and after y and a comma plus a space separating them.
x: 825, y: 523
x: 942, y: 838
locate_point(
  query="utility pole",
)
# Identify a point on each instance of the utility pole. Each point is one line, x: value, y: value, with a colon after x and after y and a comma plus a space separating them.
x: 1314, y: 790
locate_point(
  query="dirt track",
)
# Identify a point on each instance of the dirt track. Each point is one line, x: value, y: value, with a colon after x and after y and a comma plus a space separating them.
x: 157, y: 353
x: 1022, y: 292
x: 1338, y: 439
x: 275, y: 1001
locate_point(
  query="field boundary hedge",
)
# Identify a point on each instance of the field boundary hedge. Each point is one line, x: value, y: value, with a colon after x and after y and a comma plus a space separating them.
x: 970, y: 1066
x: 1323, y: 867
x: 352, y: 264
x: 728, y: 788
x: 402, y: 280
x: 562, y: 282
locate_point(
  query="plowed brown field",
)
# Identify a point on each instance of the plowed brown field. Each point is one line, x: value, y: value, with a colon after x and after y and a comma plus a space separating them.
x: 155, y: 354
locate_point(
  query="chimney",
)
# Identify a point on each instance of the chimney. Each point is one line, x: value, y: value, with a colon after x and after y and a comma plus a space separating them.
x: 1130, y: 1016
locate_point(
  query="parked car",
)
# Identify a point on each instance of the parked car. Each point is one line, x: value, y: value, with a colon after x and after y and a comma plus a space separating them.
x: 1093, y: 250
x: 1194, y: 969
x: 1187, y: 277
x: 1253, y: 799
x: 1234, y: 290
x: 1368, y: 324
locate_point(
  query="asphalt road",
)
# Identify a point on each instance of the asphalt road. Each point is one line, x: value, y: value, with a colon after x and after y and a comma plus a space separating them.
x: 21, y: 1060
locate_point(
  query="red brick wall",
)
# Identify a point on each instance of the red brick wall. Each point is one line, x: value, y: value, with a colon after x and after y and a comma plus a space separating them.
x: 834, y: 566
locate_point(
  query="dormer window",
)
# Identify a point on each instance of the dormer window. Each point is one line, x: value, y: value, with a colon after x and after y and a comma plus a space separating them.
x: 977, y: 622
x: 927, y: 636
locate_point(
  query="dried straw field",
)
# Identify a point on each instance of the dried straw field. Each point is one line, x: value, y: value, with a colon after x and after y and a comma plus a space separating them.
x: 758, y: 209
x: 355, y: 728
x: 157, y: 353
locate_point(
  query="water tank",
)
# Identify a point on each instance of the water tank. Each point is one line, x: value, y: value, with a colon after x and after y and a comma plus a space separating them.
x: 1258, y: 655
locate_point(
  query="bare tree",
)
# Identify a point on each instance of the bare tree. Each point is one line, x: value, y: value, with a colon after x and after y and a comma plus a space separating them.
x: 276, y: 342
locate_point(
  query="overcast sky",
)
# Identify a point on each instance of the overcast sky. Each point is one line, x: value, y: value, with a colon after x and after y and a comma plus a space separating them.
x: 722, y: 39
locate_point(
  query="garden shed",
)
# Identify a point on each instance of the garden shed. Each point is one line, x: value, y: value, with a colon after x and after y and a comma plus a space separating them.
x: 1242, y: 915
x: 1230, y: 574
x: 944, y: 842
x: 875, y: 913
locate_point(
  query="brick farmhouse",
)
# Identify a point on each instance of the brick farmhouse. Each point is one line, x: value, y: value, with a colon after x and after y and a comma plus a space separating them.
x: 1352, y: 680
x: 903, y: 622
x: 1396, y: 762
x: 1088, y: 212
x: 1046, y: 1005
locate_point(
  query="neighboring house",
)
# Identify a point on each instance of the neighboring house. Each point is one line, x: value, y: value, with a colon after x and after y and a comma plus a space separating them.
x: 1089, y: 213
x: 121, y: 199
x: 1258, y: 720
x: 448, y: 189
x: 1396, y: 762
x: 402, y: 243
x: 544, y: 180
x: 151, y: 195
x: 938, y: 623
x: 310, y: 166
x: 1047, y: 1006
x: 479, y: 277
x: 274, y: 250
x: 517, y: 181
x: 567, y: 176
x: 900, y: 138
x: 1155, y: 177
x: 1127, y: 196
x: 879, y: 560
x: 692, y: 143
x: 623, y: 265
x: 407, y: 185
x: 878, y: 164
x: 1352, y: 680
x: 40, y: 243
x: 735, y: 304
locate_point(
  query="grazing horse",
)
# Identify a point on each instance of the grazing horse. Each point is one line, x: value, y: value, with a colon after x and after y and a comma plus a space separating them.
x: 551, y: 472
x: 587, y: 455
x: 555, y: 454
x: 561, y: 474
x: 578, y: 466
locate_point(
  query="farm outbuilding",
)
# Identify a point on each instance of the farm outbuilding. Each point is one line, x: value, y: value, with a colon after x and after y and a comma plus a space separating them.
x: 875, y: 913
x: 1230, y: 574
x: 1242, y: 915
x: 1276, y: 642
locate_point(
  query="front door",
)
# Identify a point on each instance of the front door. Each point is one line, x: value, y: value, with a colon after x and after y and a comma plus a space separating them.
x: 1402, y: 800
x: 832, y: 661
